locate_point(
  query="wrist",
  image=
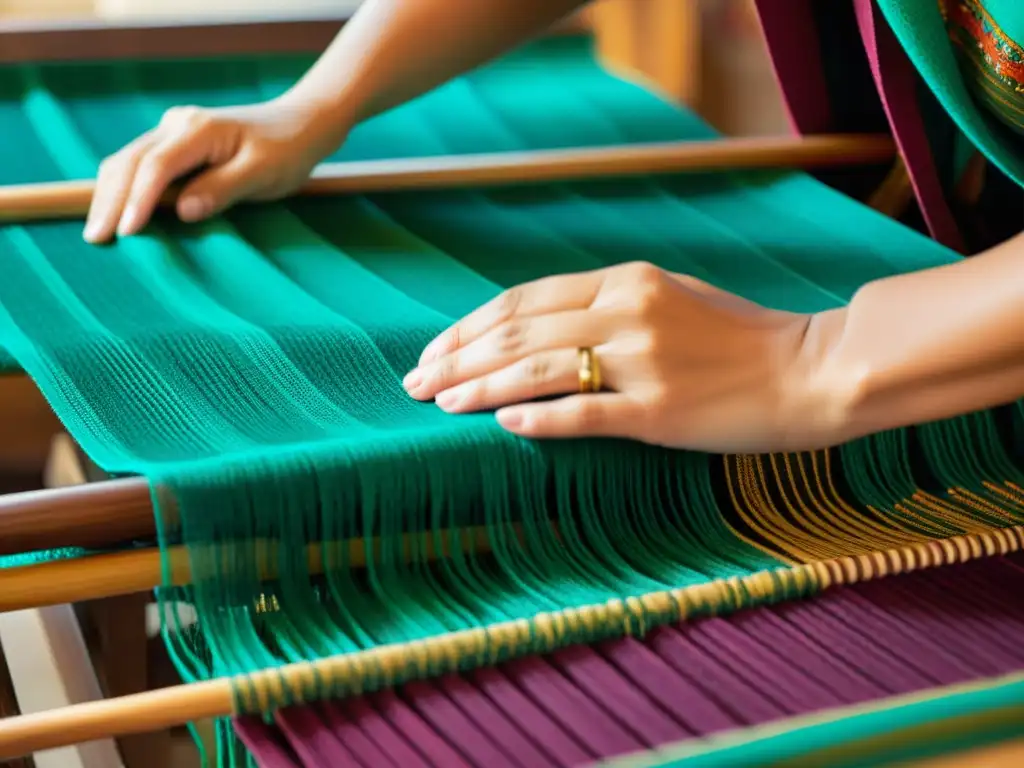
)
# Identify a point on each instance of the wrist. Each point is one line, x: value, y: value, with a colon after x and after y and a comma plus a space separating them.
x: 322, y: 123
x: 826, y: 386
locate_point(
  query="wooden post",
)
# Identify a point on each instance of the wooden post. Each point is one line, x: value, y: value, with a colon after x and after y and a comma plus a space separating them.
x: 656, y: 41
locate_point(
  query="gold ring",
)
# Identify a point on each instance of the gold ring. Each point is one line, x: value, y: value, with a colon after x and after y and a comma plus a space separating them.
x: 590, y: 371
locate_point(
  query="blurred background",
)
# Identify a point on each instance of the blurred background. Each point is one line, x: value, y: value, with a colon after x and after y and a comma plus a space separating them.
x: 719, y: 66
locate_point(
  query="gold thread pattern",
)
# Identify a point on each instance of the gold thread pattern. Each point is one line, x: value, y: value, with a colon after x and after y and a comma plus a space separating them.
x: 345, y: 675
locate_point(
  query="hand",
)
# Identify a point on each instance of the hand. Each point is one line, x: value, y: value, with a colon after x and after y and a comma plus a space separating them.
x: 254, y: 152
x: 684, y: 364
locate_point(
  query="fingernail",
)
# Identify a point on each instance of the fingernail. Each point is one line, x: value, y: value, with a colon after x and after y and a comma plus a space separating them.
x: 510, y: 418
x: 92, y: 231
x: 193, y: 208
x: 412, y: 380
x: 449, y: 399
x: 129, y: 221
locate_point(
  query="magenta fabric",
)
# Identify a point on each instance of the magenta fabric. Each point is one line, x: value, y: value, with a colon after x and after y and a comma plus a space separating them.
x: 788, y: 30
x: 792, y: 41
x: 570, y: 708
x: 895, y: 79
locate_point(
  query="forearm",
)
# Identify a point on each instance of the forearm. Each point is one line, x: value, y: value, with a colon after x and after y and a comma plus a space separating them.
x: 923, y: 346
x: 395, y: 50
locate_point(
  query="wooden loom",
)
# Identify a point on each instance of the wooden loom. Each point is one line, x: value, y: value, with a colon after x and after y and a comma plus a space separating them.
x: 118, y: 510
x: 35, y: 600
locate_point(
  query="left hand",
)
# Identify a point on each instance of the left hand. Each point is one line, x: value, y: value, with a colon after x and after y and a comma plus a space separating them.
x: 683, y: 364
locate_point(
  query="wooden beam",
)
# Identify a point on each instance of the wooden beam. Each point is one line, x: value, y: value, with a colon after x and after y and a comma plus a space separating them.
x: 655, y: 41
x: 51, y: 669
x: 83, y: 40
x: 70, y: 199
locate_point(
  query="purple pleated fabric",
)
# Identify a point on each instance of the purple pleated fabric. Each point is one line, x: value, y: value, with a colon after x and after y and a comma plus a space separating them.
x: 851, y: 645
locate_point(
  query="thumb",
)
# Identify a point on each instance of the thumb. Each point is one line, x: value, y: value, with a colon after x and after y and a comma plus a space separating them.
x: 215, y: 190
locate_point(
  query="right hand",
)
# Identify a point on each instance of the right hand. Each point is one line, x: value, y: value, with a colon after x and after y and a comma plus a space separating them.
x: 254, y: 152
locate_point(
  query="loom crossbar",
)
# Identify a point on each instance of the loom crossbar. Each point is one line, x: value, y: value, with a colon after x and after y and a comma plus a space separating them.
x: 180, y: 704
x: 71, y: 199
x: 116, y: 511
x: 91, y: 516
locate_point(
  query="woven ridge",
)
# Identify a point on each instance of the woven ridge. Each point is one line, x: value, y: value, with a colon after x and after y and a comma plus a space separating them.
x: 250, y: 367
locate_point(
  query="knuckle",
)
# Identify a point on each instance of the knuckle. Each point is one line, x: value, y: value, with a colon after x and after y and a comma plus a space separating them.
x: 587, y: 414
x: 644, y: 345
x: 117, y: 163
x: 509, y: 336
x: 641, y: 287
x: 185, y: 116
x: 643, y: 272
x: 109, y: 166
x: 446, y: 371
x: 154, y: 163
x: 646, y: 299
x: 507, y: 304
x: 656, y: 401
x: 536, y: 370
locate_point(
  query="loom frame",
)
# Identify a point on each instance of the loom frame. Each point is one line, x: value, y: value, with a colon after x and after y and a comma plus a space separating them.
x: 90, y: 40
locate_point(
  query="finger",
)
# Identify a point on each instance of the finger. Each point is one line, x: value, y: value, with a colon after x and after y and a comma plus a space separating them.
x: 504, y: 345
x: 217, y: 189
x: 587, y: 415
x: 544, y: 374
x: 113, y: 183
x: 170, y: 158
x: 558, y: 293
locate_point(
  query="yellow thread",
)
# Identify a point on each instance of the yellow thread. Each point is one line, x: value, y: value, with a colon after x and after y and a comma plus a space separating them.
x: 810, y: 518
x: 427, y: 654
x: 984, y: 505
x: 884, y: 528
x: 748, y: 509
x: 731, y: 485
x: 974, y: 547
x: 940, y: 510
x: 861, y: 527
x: 815, y: 548
x: 680, y: 602
x: 1013, y: 498
x: 634, y: 615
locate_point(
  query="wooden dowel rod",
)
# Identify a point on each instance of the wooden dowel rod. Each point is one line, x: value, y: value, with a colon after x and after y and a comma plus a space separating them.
x: 127, y: 715
x: 97, y: 577
x: 178, y: 705
x: 111, y: 512
x: 181, y: 704
x: 96, y: 515
x: 70, y: 199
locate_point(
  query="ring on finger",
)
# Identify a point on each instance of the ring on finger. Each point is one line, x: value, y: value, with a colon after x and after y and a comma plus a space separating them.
x: 589, y: 370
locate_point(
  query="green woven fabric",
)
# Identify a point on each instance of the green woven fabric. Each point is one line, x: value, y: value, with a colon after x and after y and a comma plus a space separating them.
x: 890, y: 733
x: 250, y: 367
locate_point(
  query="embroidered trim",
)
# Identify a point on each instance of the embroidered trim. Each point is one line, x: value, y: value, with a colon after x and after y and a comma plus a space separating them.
x: 992, y: 47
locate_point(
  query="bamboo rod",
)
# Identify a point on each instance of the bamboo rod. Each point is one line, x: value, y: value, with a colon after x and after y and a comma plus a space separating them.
x: 70, y: 199
x: 182, y: 704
